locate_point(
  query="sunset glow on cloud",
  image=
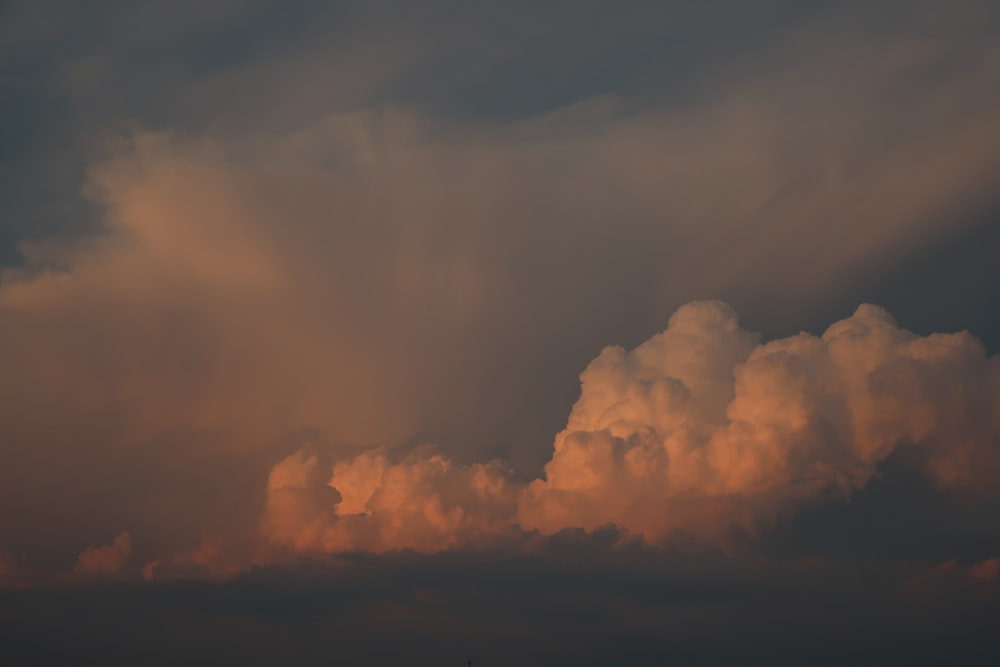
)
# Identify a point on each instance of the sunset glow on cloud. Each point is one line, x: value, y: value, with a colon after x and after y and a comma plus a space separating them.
x: 573, y: 333
x: 701, y: 429
x: 111, y: 559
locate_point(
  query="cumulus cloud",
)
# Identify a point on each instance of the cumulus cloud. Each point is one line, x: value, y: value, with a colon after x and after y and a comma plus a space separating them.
x: 987, y: 571
x: 106, y: 560
x: 366, y: 278
x: 951, y: 576
x: 701, y: 430
x: 370, y: 503
x: 210, y: 560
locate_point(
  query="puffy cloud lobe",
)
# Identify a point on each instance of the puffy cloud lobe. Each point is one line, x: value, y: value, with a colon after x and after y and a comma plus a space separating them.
x: 106, y: 560
x: 209, y: 560
x: 987, y: 571
x: 369, y: 503
x: 700, y: 429
x: 300, y: 501
x: 951, y: 575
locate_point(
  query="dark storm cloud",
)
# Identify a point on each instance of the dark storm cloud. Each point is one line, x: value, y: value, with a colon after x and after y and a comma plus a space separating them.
x: 575, y: 603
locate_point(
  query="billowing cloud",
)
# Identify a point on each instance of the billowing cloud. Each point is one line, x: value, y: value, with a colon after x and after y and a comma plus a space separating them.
x: 986, y: 571
x: 369, y: 503
x: 8, y: 566
x: 311, y: 300
x: 951, y: 575
x: 701, y: 430
x: 210, y: 560
x: 106, y: 560
x: 371, y: 275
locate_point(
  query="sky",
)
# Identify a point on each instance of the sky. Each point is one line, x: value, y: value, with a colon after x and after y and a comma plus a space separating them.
x: 563, y: 333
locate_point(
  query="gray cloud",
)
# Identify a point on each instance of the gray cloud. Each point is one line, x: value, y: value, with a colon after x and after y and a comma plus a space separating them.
x: 576, y: 602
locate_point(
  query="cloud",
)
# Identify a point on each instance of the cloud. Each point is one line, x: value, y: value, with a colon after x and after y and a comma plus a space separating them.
x: 369, y: 503
x: 702, y: 430
x: 212, y: 559
x: 107, y: 560
x: 578, y: 600
x: 378, y: 276
x: 312, y: 329
x: 951, y: 577
x: 987, y: 571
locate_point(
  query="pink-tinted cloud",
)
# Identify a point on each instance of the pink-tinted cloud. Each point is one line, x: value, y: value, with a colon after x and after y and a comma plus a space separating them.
x: 211, y: 559
x: 370, y: 503
x: 952, y: 576
x: 987, y: 571
x: 106, y: 560
x: 365, y: 279
x: 702, y: 430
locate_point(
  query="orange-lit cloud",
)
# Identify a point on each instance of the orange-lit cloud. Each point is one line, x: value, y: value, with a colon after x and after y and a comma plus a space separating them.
x: 701, y: 429
x: 370, y: 503
x: 987, y: 571
x: 952, y: 575
x: 106, y: 560
x: 367, y: 279
x: 209, y: 560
